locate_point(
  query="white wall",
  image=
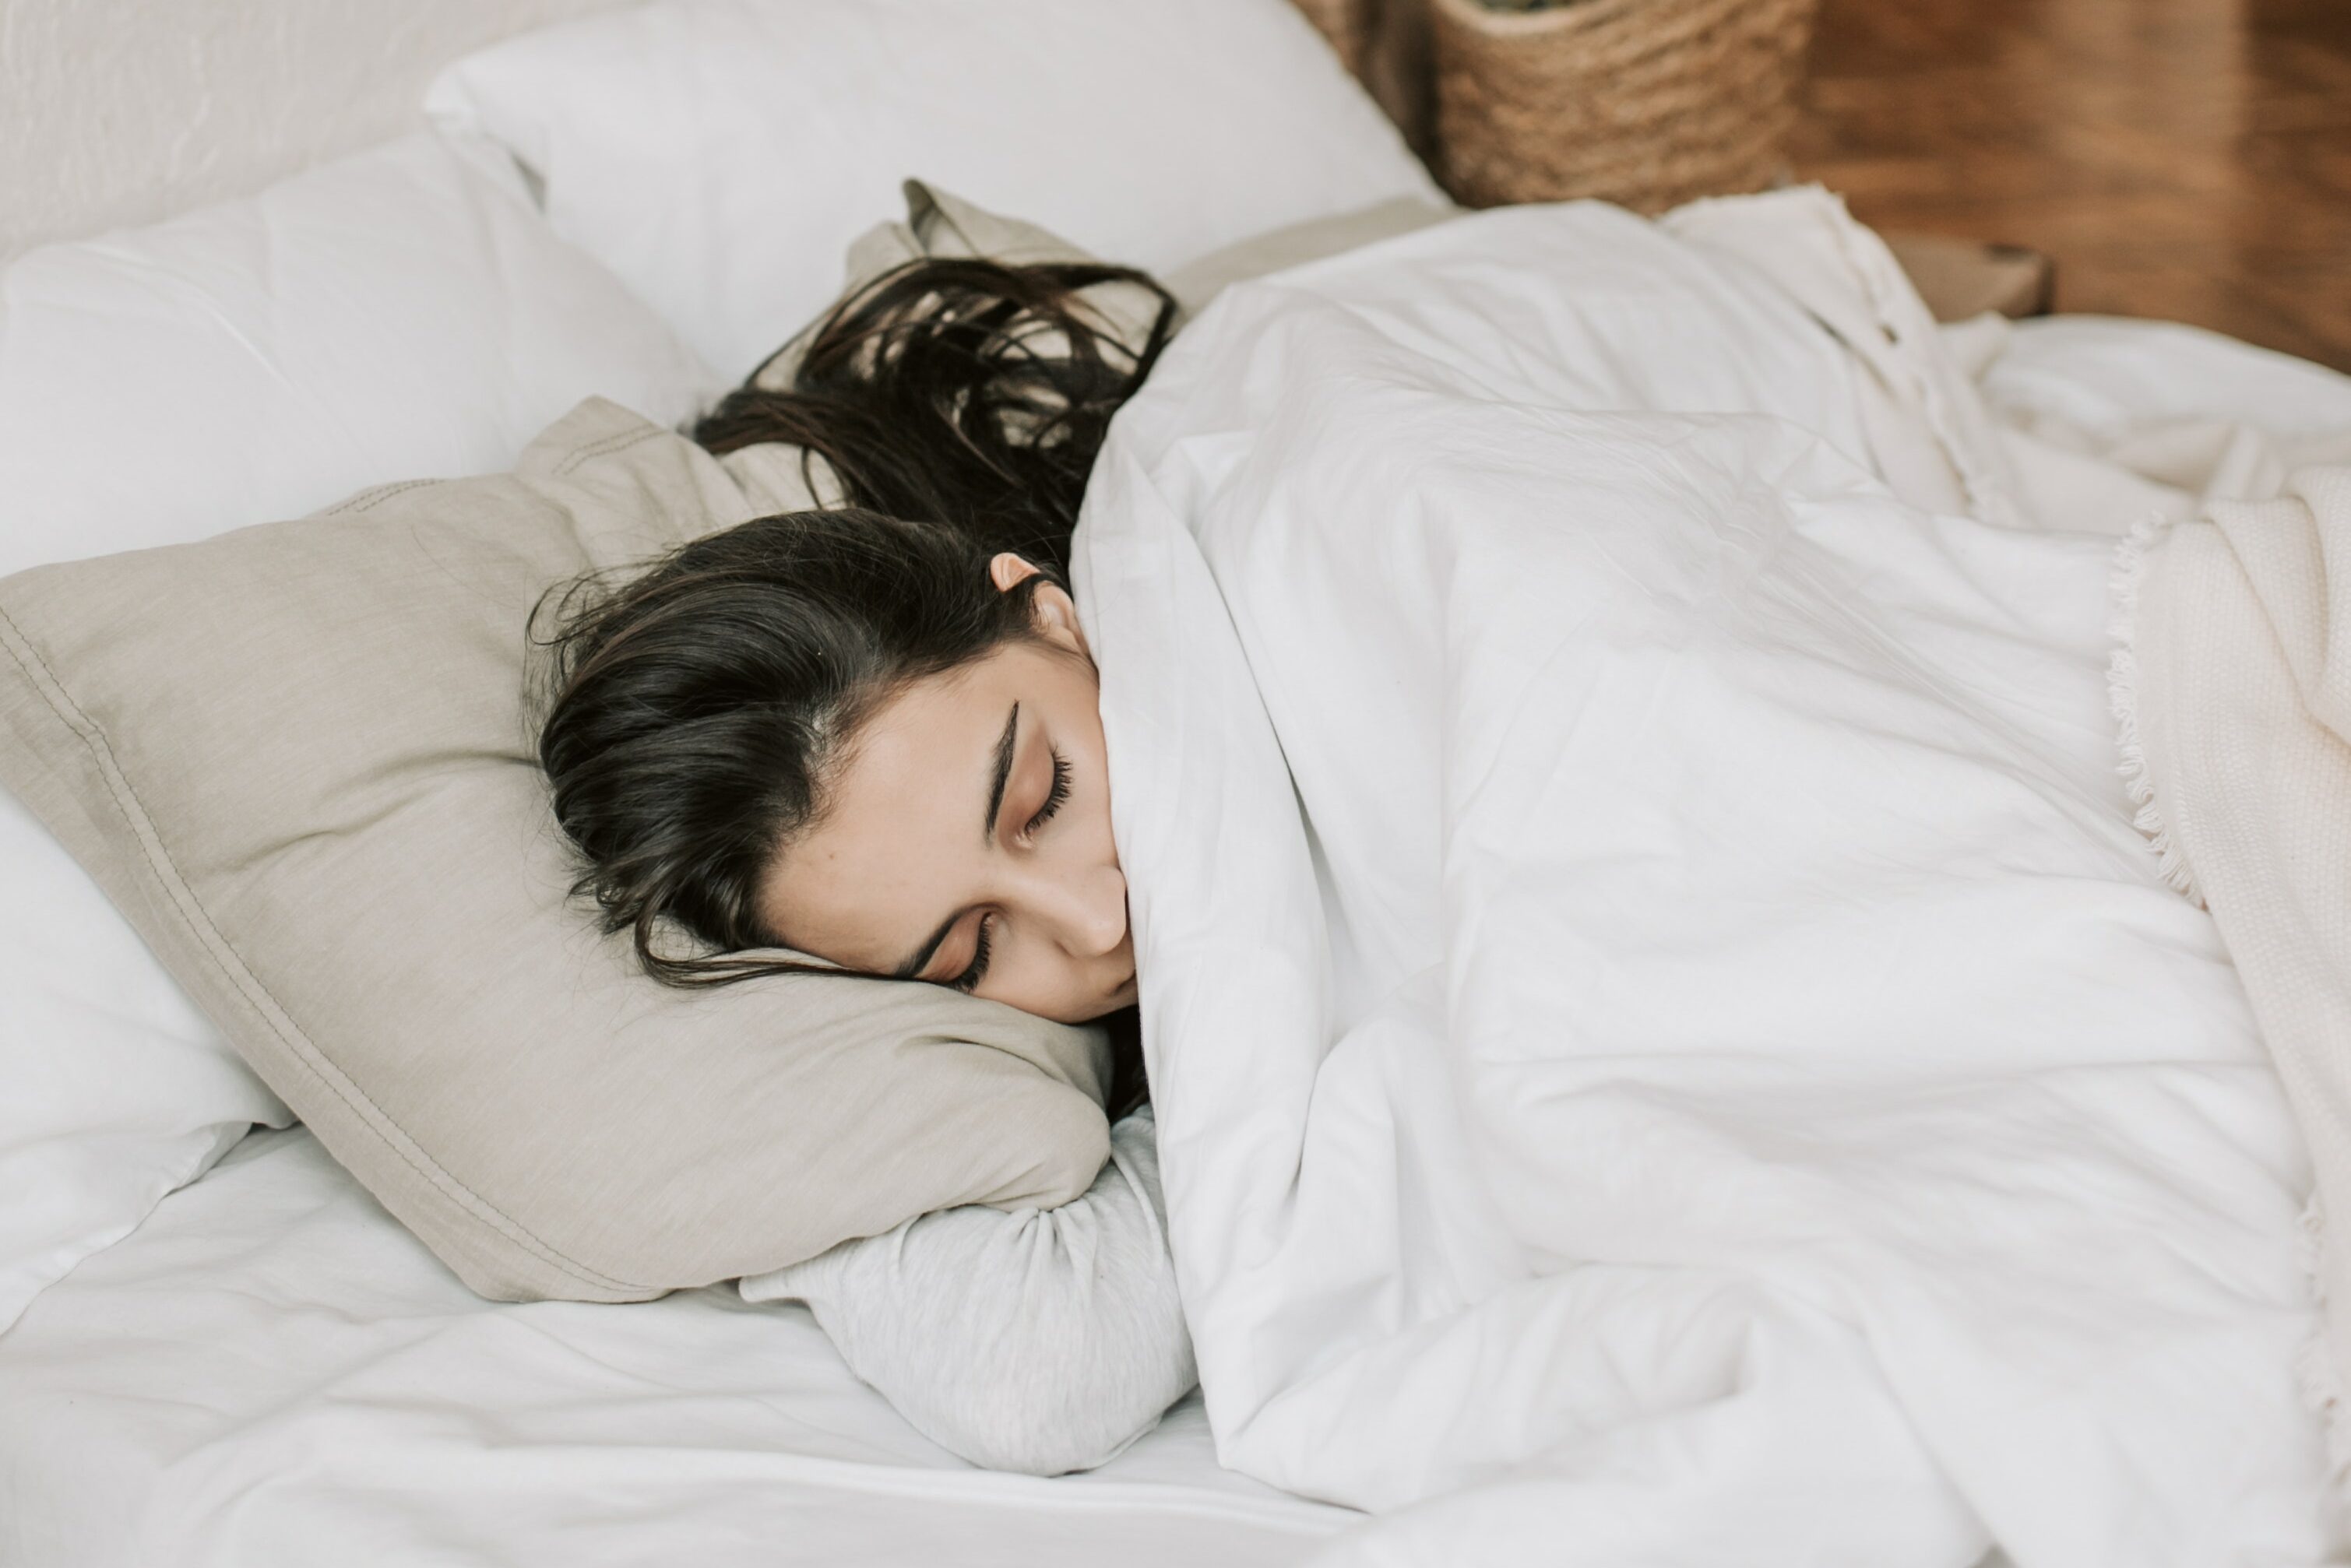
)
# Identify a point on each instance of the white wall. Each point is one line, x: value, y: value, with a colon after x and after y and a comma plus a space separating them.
x: 122, y: 112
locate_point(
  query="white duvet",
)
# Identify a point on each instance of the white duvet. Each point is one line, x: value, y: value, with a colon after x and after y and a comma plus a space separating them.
x: 1668, y: 1048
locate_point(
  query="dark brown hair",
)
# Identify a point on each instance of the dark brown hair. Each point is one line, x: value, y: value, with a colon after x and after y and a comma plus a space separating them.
x: 962, y: 392
x: 696, y: 708
x: 691, y: 707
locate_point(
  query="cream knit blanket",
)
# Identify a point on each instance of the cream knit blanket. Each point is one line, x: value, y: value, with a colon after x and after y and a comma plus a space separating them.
x: 2232, y: 684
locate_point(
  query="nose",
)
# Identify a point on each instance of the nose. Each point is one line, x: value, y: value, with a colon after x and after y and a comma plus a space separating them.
x: 1084, y: 911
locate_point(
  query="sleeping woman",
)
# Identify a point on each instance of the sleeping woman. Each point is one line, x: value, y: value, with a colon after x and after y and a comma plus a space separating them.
x: 1666, y: 999
x: 1819, y: 1053
x: 869, y: 734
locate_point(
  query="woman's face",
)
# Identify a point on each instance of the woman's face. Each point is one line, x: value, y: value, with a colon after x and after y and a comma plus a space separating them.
x: 965, y: 837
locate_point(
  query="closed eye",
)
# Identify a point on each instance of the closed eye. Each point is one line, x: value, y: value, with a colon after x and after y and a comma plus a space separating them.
x: 1054, y: 796
x: 976, y: 970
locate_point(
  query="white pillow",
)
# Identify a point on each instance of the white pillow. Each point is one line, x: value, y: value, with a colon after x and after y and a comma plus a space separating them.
x: 401, y: 313
x: 720, y: 154
x: 114, y: 1088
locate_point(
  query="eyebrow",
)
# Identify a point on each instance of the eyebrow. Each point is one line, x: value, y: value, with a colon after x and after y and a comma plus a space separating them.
x: 1005, y: 745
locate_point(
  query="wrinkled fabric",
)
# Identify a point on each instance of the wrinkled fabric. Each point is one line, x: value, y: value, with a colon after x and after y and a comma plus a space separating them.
x: 1038, y: 1340
x: 272, y: 1373
x: 1668, y: 1045
x: 2233, y: 685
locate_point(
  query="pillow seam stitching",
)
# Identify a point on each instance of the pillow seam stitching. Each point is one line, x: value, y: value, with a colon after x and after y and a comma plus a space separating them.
x: 368, y: 499
x: 607, y: 446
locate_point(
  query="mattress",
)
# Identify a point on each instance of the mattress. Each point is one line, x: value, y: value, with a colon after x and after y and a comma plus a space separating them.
x: 270, y: 1367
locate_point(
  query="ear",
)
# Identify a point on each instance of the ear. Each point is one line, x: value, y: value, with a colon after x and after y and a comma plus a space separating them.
x: 1057, y: 614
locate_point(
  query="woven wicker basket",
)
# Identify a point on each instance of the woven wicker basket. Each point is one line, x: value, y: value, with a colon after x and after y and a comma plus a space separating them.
x: 1643, y: 103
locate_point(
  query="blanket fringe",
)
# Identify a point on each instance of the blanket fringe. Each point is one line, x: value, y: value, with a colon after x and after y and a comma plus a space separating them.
x: 2317, y: 1372
x: 2131, y: 559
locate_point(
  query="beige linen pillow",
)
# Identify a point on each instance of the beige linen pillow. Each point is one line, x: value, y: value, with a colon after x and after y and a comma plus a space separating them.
x: 296, y: 758
x: 1201, y: 279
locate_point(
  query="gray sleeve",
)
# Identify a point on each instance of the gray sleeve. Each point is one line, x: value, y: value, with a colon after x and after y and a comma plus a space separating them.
x: 1040, y: 1340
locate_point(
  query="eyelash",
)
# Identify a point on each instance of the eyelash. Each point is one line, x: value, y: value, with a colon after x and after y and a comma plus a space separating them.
x: 1054, y: 796
x: 976, y: 970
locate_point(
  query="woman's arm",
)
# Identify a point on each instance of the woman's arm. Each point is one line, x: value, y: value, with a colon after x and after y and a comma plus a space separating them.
x: 1043, y: 1341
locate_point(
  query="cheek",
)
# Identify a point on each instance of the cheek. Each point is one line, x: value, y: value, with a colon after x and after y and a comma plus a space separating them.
x: 1041, y: 977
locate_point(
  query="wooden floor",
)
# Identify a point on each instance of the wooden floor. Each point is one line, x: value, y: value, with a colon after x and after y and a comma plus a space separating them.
x: 2188, y: 159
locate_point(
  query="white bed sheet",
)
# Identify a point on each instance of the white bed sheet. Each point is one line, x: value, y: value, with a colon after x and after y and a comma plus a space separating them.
x: 272, y: 1373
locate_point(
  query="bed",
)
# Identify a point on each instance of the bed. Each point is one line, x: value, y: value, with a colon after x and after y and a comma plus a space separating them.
x: 269, y: 1369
